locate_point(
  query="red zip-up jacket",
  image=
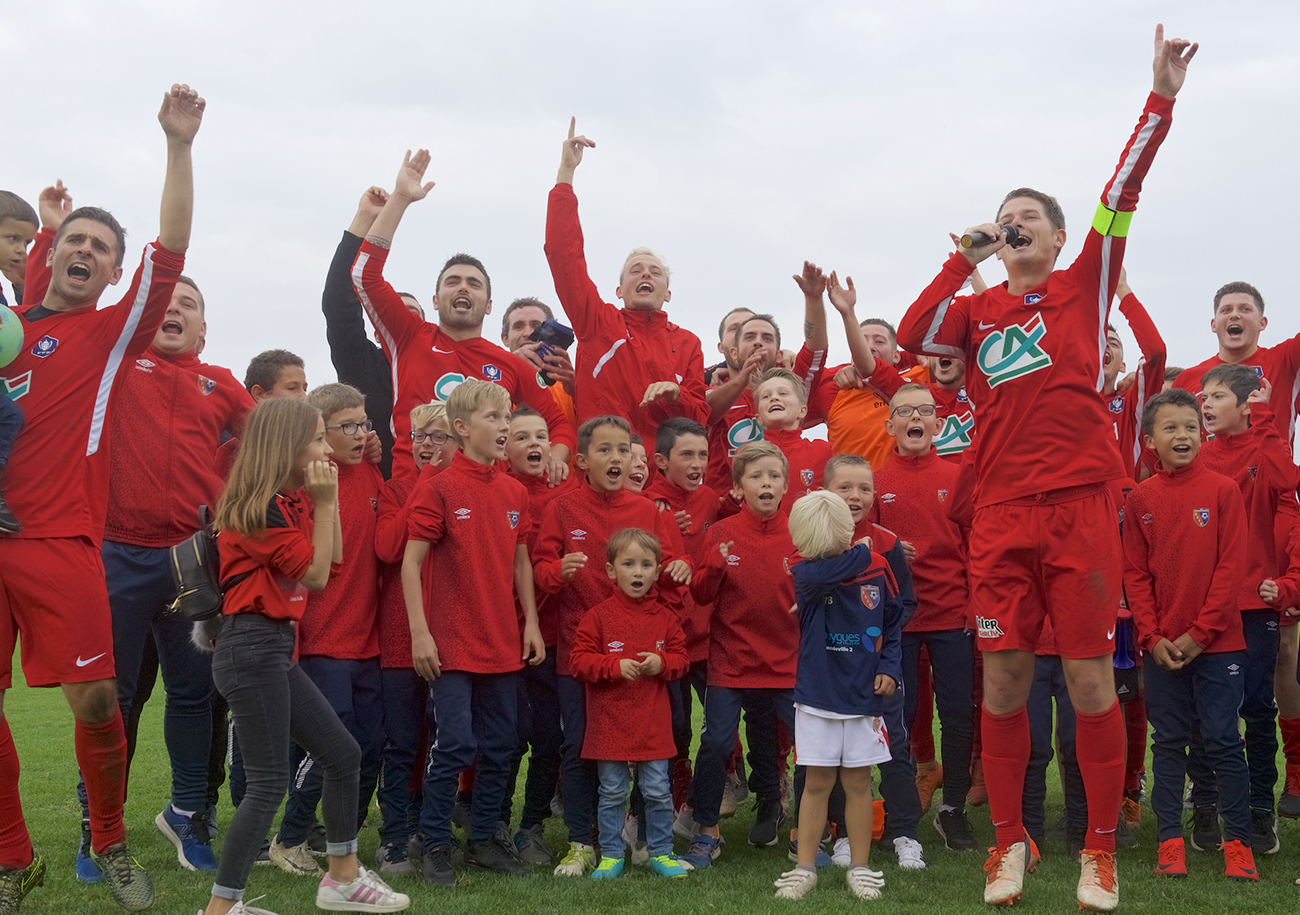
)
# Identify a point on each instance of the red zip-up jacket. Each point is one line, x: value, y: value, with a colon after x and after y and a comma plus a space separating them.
x: 1260, y: 463
x: 582, y: 521
x: 628, y: 720
x: 911, y: 501
x: 342, y: 619
x: 753, y: 636
x: 390, y: 546
x: 702, y: 506
x: 1184, y: 558
x: 540, y: 495
x: 427, y: 364
x: 621, y: 352
x: 807, y: 458
x: 171, y: 413
x: 1126, y: 409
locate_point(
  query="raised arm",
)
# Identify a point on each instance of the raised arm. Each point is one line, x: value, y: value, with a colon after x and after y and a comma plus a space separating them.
x: 354, y: 356
x: 571, y: 153
x: 844, y: 299
x: 180, y: 117
x: 1149, y: 341
x: 407, y: 189
x: 812, y: 283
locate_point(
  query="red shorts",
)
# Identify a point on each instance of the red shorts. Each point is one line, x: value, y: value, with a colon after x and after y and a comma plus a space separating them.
x: 53, y: 592
x: 1054, y: 556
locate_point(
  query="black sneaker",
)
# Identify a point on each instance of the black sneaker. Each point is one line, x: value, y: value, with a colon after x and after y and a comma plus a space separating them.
x: 264, y: 854
x: 130, y: 885
x: 1205, y: 829
x: 493, y: 855
x: 1263, y: 832
x: 8, y: 523
x: 16, y: 884
x: 435, y: 867
x: 767, y: 823
x: 955, y: 829
x: 1124, y: 837
x: 316, y: 841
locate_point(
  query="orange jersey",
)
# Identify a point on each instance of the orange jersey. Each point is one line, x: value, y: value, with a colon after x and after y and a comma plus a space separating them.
x: 855, y: 418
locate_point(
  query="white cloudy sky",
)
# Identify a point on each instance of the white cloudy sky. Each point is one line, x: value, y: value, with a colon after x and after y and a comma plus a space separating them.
x: 738, y: 138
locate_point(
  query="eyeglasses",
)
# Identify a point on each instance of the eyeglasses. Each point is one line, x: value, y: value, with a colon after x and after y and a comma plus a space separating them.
x: 351, y: 428
x: 438, y: 438
x: 903, y: 412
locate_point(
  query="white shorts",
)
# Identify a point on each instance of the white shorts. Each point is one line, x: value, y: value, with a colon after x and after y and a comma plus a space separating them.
x: 838, y: 742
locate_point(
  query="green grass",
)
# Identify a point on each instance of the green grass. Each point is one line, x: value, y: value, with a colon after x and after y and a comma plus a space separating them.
x: 740, y: 881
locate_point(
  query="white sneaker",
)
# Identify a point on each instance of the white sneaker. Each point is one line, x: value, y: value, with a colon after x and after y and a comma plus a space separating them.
x: 795, y: 884
x: 684, y: 824
x: 1006, y: 874
x: 636, y: 845
x: 729, y: 802
x: 864, y: 882
x: 296, y: 860
x: 909, y: 854
x: 580, y: 859
x: 243, y: 908
x: 1098, y: 882
x: 368, y: 893
x: 840, y: 856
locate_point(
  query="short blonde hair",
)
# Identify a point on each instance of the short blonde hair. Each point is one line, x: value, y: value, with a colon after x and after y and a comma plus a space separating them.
x: 910, y: 389
x: 844, y: 460
x: 637, y: 252
x: 335, y: 398
x: 777, y: 373
x: 633, y: 536
x: 821, y: 525
x: 427, y: 413
x: 756, y: 451
x: 472, y: 395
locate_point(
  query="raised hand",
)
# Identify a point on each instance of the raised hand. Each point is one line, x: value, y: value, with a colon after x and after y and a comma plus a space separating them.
x: 54, y: 205
x: 1262, y: 394
x: 679, y: 570
x: 976, y: 254
x: 323, y: 482
x: 372, y: 201
x: 844, y: 298
x: 411, y: 174
x: 725, y: 549
x: 1170, y: 64
x: 181, y: 114
x: 1122, y: 288
x: 571, y: 153
x: 661, y: 390
x: 812, y: 282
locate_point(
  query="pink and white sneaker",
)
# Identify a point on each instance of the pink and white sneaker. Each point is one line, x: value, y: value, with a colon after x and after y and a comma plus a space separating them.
x: 367, y: 893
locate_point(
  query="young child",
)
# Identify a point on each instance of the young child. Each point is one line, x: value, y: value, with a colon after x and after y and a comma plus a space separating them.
x: 1248, y: 449
x: 682, y: 456
x: 465, y: 563
x: 626, y: 650
x: 912, y: 490
x: 267, y: 535
x: 18, y: 226
x: 640, y: 470
x: 404, y: 691
x: 274, y: 373
x: 753, y: 647
x: 338, y: 636
x: 529, y: 452
x: 850, y: 657
x: 782, y: 404
x: 1185, y: 556
x: 574, y: 526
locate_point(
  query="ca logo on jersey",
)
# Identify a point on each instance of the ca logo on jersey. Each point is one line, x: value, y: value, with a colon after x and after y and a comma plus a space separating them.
x: 954, y: 437
x: 443, y: 387
x: 1014, y: 352
x: 742, y: 433
x: 17, y: 387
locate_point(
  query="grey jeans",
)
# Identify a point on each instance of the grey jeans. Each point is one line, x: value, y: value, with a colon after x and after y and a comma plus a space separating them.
x: 272, y: 702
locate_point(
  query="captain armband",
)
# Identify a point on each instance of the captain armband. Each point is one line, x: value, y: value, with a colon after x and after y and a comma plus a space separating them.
x: 1111, y: 222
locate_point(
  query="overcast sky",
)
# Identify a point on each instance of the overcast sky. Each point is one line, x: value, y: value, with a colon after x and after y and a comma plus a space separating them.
x: 736, y: 138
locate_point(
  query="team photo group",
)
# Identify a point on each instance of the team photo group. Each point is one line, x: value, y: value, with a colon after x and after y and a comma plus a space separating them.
x: 580, y: 577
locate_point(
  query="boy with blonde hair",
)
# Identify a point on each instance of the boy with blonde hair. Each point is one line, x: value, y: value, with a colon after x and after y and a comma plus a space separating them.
x: 782, y: 405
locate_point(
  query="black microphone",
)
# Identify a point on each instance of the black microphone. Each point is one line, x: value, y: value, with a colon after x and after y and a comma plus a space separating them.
x: 979, y: 239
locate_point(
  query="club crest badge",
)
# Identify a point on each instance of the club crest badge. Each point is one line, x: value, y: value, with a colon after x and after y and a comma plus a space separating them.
x: 513, y: 518
x: 491, y: 372
x: 1033, y: 298
x: 1201, y: 516
x: 943, y: 495
x: 45, y: 346
x: 806, y: 476
x: 870, y: 596
x: 206, y: 385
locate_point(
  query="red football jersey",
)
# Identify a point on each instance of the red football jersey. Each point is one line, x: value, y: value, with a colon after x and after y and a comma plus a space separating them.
x: 540, y: 494
x: 911, y: 501
x: 621, y: 351
x: 390, y: 545
x: 427, y: 364
x: 1279, y: 364
x: 1126, y: 409
x: 65, y: 378
x: 473, y: 516
x: 1033, y: 361
x: 1184, y: 558
x: 274, y: 561
x: 628, y: 720
x: 702, y: 506
x: 807, y: 458
x: 342, y: 619
x: 753, y: 636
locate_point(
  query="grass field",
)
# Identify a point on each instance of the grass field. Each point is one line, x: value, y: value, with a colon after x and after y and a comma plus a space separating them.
x: 741, y: 881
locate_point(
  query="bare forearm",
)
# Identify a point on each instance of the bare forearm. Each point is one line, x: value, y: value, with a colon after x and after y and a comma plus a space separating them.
x: 413, y: 595
x: 863, y: 361
x: 324, y: 535
x: 177, y: 211
x: 814, y: 324
x: 723, y: 397
x: 385, y: 225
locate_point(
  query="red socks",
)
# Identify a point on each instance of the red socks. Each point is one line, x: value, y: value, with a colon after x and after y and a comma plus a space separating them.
x: 15, y: 843
x: 1135, y: 728
x: 1006, y: 757
x: 1290, y: 728
x: 101, y: 754
x: 1099, y: 746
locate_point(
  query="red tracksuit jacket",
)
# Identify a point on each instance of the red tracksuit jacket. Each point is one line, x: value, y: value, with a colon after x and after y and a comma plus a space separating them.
x: 540, y: 495
x: 1126, y: 409
x: 390, y: 546
x: 702, y: 506
x: 1184, y: 558
x: 627, y: 719
x: 753, y: 636
x: 807, y: 458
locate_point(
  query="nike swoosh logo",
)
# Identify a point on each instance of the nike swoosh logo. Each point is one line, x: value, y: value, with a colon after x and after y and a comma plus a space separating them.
x: 81, y: 663
x: 987, y: 325
x: 445, y: 352
x: 1110, y: 634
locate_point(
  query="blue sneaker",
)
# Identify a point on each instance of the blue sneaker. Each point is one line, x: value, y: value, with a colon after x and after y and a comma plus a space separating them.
x: 87, y: 871
x: 190, y: 836
x: 608, y: 869
x: 669, y: 866
x: 823, y: 857
x: 704, y: 851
